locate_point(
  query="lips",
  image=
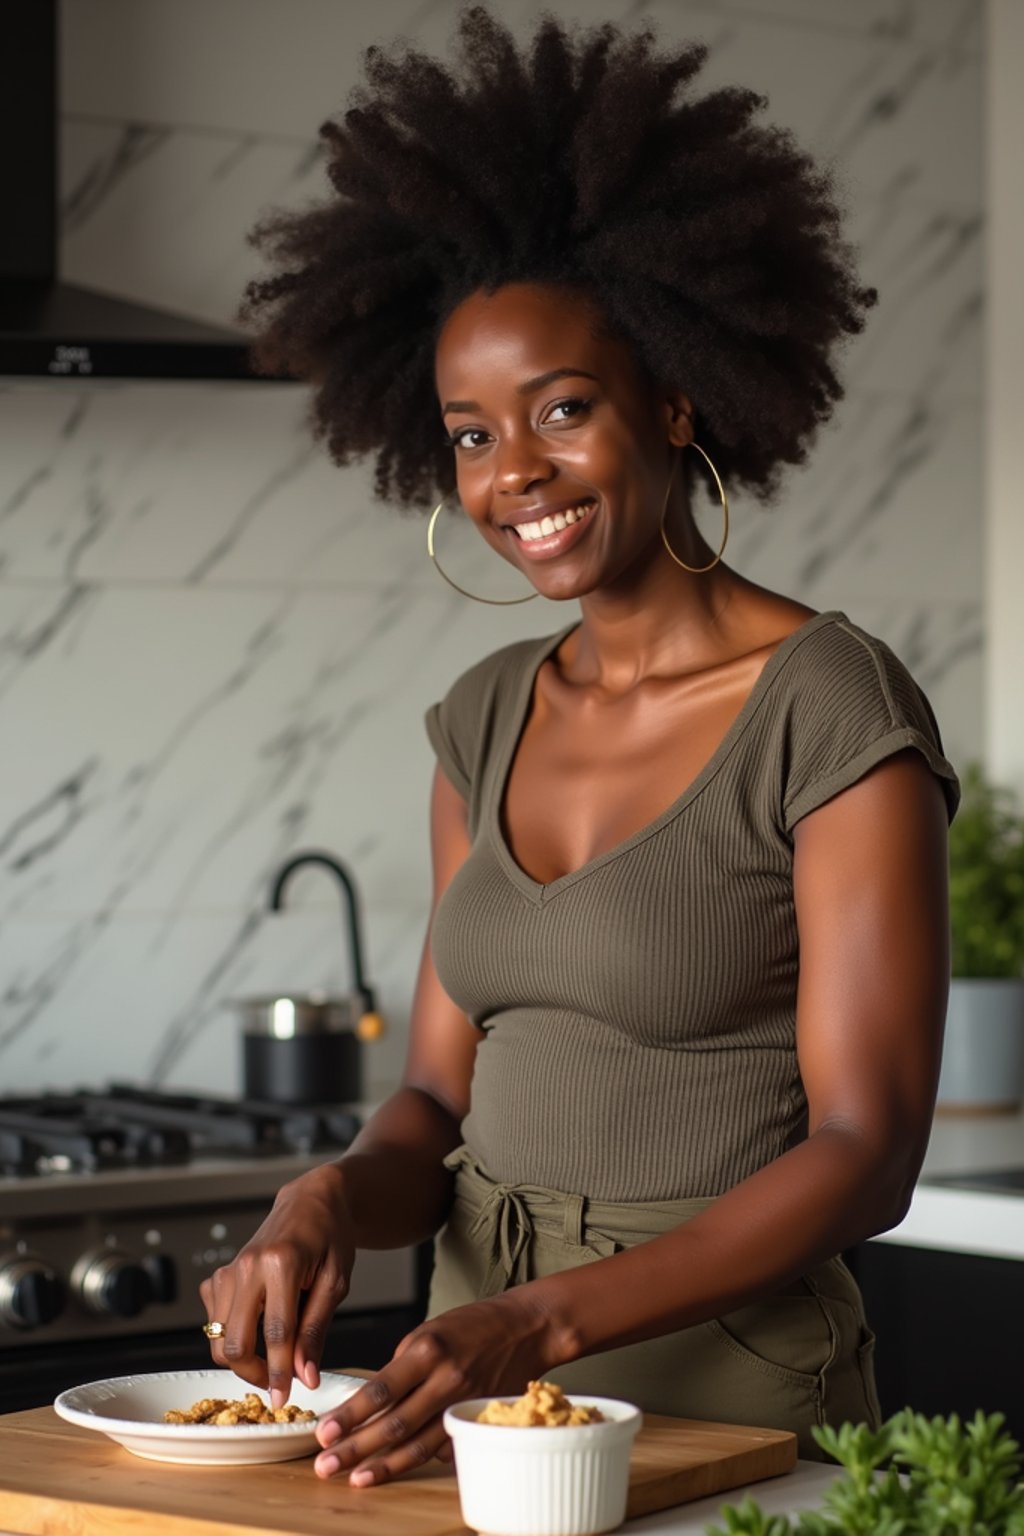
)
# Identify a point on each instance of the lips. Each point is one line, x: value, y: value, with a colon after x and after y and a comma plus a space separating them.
x: 553, y: 530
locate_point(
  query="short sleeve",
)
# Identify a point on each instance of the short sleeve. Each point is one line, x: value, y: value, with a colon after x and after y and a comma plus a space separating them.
x: 474, y: 718
x: 449, y: 744
x: 857, y: 705
x: 461, y: 727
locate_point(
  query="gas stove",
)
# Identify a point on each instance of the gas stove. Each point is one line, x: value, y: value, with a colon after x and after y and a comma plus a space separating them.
x: 116, y: 1203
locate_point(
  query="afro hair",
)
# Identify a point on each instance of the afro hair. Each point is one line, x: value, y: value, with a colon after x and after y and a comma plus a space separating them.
x: 709, y: 242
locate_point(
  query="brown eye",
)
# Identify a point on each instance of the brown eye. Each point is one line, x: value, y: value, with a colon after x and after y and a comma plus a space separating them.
x: 467, y: 437
x: 567, y: 410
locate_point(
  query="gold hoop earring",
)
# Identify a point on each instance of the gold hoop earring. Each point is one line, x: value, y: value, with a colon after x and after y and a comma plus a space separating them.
x: 698, y: 570
x: 497, y: 602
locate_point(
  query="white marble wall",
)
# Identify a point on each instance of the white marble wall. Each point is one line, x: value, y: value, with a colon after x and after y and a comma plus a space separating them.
x: 216, y: 649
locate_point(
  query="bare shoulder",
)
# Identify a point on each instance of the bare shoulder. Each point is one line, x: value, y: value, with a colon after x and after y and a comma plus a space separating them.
x: 773, y: 612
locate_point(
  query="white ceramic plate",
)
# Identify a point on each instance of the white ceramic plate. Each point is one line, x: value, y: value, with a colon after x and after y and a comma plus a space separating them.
x: 130, y: 1409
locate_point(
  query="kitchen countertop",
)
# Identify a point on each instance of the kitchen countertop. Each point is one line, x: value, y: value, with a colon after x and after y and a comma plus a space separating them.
x: 959, y: 1143
x: 801, y: 1489
x: 961, y: 1220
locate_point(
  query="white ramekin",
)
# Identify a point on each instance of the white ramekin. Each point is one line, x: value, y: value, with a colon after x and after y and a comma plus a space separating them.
x: 536, y: 1481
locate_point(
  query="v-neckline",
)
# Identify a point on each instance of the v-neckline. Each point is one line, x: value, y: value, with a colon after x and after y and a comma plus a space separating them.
x: 539, y: 891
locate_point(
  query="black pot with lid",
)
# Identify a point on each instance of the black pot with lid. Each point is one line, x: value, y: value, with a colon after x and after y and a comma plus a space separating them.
x: 307, y: 1048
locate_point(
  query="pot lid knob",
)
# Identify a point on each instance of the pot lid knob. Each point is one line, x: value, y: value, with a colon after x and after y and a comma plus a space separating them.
x: 370, y: 1026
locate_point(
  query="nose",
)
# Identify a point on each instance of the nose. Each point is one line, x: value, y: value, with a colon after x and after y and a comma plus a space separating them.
x: 522, y: 463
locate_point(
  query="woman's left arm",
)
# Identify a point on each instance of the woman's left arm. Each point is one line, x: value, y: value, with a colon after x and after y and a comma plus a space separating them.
x: 870, y: 882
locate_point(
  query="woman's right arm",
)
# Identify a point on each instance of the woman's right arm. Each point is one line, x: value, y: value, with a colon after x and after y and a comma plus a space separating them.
x: 389, y: 1189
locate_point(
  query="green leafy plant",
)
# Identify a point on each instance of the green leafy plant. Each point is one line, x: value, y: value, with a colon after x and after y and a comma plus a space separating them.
x: 986, y: 880
x: 913, y: 1477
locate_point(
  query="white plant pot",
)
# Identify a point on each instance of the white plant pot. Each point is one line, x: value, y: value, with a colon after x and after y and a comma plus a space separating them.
x: 983, y: 1054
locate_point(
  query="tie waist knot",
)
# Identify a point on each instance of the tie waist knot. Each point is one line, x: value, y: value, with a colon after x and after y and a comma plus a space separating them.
x: 503, y: 1219
x: 503, y: 1226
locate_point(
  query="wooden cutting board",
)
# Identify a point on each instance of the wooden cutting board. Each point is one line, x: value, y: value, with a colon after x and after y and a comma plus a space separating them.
x: 56, y: 1478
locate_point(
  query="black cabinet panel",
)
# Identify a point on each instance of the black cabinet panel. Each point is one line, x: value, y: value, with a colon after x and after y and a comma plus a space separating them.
x: 950, y: 1330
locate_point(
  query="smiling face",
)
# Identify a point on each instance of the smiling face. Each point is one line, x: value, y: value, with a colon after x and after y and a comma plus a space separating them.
x: 563, y: 447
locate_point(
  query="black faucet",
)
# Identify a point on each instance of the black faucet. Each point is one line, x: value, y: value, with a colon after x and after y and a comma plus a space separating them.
x: 370, y: 1024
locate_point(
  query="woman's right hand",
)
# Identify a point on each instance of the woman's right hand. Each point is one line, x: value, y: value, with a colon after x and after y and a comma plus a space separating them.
x: 305, y: 1245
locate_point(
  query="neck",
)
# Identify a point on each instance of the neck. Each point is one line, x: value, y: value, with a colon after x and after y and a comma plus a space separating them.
x: 668, y: 623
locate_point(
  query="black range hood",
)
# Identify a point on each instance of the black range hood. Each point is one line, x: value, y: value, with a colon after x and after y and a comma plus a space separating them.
x: 50, y: 329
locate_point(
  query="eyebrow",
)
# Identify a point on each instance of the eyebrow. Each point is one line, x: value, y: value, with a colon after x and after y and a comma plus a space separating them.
x: 529, y: 388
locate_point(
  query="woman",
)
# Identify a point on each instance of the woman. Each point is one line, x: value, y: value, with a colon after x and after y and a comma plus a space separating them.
x: 677, y: 1027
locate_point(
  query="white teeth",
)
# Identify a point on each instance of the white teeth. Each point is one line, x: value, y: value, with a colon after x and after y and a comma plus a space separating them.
x: 548, y: 525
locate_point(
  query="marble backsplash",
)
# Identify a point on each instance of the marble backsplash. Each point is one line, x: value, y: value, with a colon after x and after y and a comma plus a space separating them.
x: 217, y: 649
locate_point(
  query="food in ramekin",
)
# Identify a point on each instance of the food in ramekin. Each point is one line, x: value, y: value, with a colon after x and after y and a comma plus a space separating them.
x: 543, y: 1403
x: 519, y: 1479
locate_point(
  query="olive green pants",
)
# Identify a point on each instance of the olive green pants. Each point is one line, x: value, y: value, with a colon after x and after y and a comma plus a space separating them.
x: 800, y: 1357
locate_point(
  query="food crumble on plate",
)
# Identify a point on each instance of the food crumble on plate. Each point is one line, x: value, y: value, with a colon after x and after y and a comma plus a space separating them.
x: 233, y: 1410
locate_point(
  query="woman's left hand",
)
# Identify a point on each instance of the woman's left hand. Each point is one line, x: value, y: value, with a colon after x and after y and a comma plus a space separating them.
x: 394, y: 1423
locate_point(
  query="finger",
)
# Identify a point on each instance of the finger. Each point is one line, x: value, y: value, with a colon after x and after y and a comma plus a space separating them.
x: 236, y: 1301
x: 403, y: 1344
x: 402, y: 1428
x: 280, y: 1316
x: 445, y: 1451
x: 216, y: 1293
x: 391, y: 1385
x: 412, y: 1453
x: 326, y: 1292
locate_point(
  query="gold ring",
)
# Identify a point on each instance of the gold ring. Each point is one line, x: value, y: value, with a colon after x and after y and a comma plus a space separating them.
x: 213, y: 1330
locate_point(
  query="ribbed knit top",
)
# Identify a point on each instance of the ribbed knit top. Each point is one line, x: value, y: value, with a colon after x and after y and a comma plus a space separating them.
x: 640, y: 1012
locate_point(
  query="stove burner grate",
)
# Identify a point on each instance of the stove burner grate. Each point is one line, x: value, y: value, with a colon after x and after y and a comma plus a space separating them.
x: 124, y: 1126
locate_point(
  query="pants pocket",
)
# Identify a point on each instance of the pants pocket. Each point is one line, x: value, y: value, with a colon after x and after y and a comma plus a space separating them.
x: 756, y: 1337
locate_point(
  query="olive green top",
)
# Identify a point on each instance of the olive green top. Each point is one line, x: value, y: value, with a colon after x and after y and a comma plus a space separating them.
x: 640, y: 1012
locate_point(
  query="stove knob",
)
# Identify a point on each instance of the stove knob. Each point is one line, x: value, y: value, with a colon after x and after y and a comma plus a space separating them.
x: 31, y: 1294
x: 113, y: 1284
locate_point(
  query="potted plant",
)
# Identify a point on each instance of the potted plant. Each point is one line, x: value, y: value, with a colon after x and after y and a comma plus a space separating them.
x: 983, y: 1056
x: 912, y: 1477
